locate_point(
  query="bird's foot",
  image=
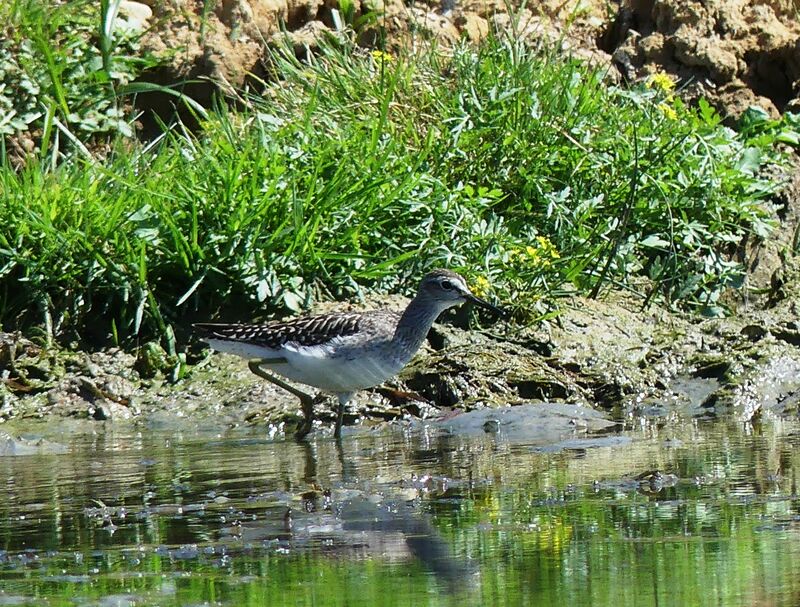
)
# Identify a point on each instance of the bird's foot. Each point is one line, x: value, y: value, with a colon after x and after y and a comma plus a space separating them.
x: 304, y: 428
x: 307, y: 405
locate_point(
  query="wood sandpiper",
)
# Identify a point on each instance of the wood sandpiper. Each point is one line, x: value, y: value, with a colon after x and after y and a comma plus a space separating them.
x: 341, y: 353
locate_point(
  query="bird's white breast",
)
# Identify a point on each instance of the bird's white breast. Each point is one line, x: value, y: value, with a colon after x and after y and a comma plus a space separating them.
x: 336, y: 367
x: 339, y: 365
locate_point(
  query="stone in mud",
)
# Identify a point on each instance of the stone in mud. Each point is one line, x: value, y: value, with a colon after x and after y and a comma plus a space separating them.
x: 754, y: 332
x: 535, y: 424
x: 13, y: 446
x: 686, y: 395
x: 133, y: 16
x: 106, y: 410
x: 582, y: 444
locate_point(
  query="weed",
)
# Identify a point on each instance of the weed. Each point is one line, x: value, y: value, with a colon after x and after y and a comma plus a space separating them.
x: 59, y: 73
x: 525, y: 169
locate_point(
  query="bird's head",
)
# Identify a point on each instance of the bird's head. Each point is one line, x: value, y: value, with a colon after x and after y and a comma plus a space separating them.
x: 450, y: 289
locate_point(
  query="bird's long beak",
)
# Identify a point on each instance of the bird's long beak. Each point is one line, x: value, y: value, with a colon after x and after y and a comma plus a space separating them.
x: 485, y: 304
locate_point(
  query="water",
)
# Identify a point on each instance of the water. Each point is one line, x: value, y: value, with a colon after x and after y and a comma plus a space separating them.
x: 686, y: 514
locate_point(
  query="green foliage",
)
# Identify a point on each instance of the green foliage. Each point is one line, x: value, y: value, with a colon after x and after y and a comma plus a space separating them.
x: 624, y: 182
x: 527, y: 170
x: 59, y: 72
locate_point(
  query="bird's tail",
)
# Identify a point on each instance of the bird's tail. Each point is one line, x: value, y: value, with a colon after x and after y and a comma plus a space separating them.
x: 239, y: 339
x: 224, y: 331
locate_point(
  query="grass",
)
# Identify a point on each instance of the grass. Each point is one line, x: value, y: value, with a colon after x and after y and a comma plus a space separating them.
x: 525, y: 169
x: 61, y: 65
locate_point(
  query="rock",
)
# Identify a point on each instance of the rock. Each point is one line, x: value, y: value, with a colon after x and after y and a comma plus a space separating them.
x: 537, y: 425
x: 752, y: 44
x: 306, y: 39
x: 754, y: 332
x: 474, y: 370
x: 134, y: 16
x: 101, y: 398
x: 14, y: 446
x: 526, y: 25
x: 725, y: 41
x: 9, y: 403
x: 434, y: 26
x: 116, y: 388
x: 474, y: 27
x: 106, y: 410
x: 736, y: 96
x: 654, y: 48
x: 708, y: 53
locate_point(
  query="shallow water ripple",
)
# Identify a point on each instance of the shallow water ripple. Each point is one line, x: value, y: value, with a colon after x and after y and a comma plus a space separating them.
x: 683, y: 514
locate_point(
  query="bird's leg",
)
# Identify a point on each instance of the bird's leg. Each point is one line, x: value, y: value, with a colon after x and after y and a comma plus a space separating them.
x: 337, y: 430
x: 343, y: 400
x: 306, y: 400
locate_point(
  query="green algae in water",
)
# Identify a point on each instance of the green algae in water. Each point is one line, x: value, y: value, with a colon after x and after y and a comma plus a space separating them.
x: 176, y: 517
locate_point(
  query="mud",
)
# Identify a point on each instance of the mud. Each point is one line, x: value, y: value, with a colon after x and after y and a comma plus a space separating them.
x: 610, y: 355
x: 735, y: 53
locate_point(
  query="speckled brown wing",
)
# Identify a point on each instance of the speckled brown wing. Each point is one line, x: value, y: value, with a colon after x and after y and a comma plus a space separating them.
x: 306, y: 331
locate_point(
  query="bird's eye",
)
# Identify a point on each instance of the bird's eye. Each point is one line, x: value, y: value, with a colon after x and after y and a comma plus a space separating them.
x: 447, y: 285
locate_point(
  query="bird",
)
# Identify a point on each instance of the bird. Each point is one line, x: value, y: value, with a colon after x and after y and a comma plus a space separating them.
x: 342, y: 352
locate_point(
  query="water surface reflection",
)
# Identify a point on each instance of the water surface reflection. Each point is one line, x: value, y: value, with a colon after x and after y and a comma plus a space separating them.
x: 686, y: 514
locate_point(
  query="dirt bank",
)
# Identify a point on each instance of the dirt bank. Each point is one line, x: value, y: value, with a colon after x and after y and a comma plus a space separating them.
x: 735, y: 53
x: 609, y: 354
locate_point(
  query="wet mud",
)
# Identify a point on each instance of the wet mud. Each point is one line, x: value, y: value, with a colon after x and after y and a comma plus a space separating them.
x: 610, y: 355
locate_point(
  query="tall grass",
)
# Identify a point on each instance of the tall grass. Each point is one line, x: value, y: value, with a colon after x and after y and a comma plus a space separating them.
x: 525, y: 169
x: 61, y: 65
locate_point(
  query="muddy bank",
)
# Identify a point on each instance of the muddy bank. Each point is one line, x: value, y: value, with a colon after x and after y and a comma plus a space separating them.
x: 734, y: 53
x: 608, y: 355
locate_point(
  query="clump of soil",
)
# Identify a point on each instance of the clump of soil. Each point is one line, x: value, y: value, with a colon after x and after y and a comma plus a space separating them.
x: 735, y: 53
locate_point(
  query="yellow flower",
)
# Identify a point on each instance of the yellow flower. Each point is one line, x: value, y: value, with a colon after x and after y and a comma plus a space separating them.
x: 481, y: 286
x: 540, y: 254
x: 661, y: 81
x: 382, y: 56
x: 668, y: 111
x: 547, y: 247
